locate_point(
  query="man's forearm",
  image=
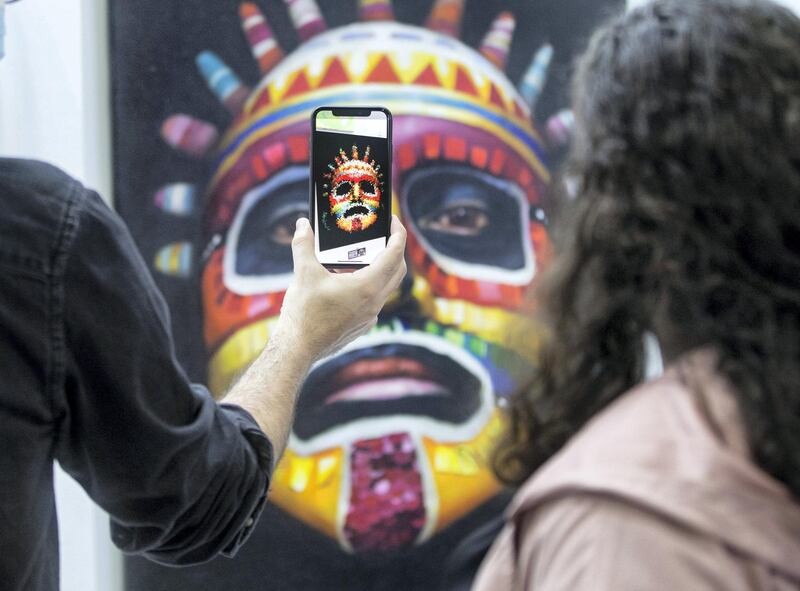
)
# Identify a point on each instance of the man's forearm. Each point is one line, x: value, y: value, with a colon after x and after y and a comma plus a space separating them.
x: 306, y: 330
x: 268, y: 389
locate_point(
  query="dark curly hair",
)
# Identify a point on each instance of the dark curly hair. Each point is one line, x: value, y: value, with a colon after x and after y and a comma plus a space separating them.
x: 685, y: 222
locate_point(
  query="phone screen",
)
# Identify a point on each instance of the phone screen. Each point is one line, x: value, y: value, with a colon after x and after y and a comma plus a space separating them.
x: 351, y: 195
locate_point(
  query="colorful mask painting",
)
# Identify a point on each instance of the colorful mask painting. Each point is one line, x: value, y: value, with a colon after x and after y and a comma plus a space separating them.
x: 392, y: 436
x: 353, y: 190
x: 408, y: 412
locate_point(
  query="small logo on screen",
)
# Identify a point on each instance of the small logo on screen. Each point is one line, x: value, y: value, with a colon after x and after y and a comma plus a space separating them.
x: 358, y: 252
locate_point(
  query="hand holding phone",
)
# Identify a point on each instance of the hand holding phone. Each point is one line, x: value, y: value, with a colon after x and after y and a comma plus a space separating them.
x: 351, y: 198
x: 324, y: 311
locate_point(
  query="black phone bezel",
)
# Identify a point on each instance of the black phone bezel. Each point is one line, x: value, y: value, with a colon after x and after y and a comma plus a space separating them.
x: 350, y: 111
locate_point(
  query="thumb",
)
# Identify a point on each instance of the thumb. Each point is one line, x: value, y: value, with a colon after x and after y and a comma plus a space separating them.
x: 303, y: 245
x: 395, y: 246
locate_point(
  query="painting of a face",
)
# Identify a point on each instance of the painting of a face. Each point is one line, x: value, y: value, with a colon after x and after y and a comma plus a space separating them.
x: 389, y: 452
x: 387, y: 467
x: 354, y: 190
x: 392, y: 435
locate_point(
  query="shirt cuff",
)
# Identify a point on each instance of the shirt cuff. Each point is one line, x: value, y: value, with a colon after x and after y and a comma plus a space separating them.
x: 265, y: 456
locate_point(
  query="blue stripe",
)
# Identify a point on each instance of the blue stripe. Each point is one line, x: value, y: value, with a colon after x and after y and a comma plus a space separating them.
x: 226, y: 84
x: 309, y: 105
x: 358, y: 35
x: 408, y: 36
x: 444, y: 41
x: 185, y: 265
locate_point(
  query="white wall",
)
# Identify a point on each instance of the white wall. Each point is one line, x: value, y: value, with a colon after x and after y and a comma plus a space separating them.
x: 54, y: 107
x: 793, y: 4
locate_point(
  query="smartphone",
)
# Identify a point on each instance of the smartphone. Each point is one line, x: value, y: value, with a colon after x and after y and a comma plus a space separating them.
x: 351, y: 191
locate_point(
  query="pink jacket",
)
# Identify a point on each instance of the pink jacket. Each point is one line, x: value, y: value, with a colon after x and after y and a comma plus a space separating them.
x: 656, y: 492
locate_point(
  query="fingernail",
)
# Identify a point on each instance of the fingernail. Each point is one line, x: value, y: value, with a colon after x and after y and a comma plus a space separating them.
x: 301, y: 224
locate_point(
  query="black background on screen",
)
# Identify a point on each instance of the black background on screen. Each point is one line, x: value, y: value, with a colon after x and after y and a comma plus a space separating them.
x: 325, y: 148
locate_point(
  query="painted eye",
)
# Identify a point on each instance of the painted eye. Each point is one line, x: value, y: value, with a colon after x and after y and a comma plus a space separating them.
x: 282, y: 231
x: 259, y: 241
x: 367, y: 187
x: 470, y: 221
x: 459, y: 220
x: 342, y: 189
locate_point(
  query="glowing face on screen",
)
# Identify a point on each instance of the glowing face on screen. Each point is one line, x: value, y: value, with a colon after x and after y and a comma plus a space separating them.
x: 353, y: 190
x: 392, y: 434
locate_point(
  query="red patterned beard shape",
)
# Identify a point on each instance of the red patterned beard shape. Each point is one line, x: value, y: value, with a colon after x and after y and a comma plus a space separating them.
x: 387, y: 509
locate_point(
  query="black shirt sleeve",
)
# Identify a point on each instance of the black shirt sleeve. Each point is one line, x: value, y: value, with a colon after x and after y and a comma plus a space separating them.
x: 183, y: 478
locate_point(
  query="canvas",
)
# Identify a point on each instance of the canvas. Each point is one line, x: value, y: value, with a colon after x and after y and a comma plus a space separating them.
x: 386, y: 470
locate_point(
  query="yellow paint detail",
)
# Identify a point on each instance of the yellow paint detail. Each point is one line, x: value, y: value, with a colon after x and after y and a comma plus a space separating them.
x: 174, y: 257
x: 462, y: 473
x: 421, y: 292
x: 446, y: 71
x: 409, y: 68
x: 307, y: 487
x: 236, y: 353
x: 455, y: 460
x: 325, y: 470
x: 314, y: 76
x: 517, y: 332
x: 300, y: 470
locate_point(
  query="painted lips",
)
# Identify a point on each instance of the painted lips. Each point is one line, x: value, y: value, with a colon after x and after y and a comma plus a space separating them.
x: 384, y: 380
x: 356, y: 210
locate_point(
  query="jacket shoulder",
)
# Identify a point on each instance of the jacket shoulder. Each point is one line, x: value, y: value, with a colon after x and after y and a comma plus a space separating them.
x: 654, y: 450
x: 38, y: 204
x: 31, y: 176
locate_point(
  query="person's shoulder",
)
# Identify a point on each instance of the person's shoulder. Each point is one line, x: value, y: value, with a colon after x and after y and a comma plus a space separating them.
x: 651, y: 433
x: 39, y: 204
x: 635, y: 426
x: 33, y: 177
x: 35, y: 191
x: 654, y: 450
x: 599, y: 542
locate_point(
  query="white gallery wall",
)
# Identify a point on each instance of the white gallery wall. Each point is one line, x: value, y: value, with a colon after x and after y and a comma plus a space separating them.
x: 54, y: 106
